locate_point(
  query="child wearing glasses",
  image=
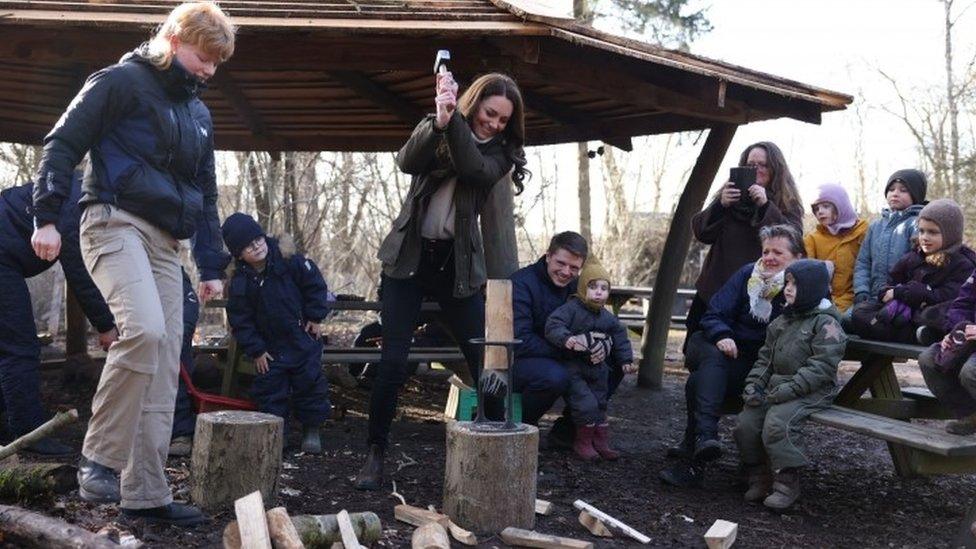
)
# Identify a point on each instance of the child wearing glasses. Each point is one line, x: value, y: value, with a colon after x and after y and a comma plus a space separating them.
x: 276, y: 301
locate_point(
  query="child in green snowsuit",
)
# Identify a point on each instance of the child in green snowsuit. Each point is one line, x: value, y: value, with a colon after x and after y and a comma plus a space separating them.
x: 795, y: 376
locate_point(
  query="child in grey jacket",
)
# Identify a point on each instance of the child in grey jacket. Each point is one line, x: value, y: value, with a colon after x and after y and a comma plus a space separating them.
x: 578, y: 326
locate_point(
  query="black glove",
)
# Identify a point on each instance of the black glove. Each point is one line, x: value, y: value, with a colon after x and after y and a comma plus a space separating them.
x: 494, y: 382
x: 861, y: 297
x: 781, y: 393
x: 753, y: 395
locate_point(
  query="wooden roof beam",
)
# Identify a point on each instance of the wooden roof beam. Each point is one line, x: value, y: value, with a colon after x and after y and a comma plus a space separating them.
x: 571, y: 117
x: 381, y: 95
x: 242, y: 106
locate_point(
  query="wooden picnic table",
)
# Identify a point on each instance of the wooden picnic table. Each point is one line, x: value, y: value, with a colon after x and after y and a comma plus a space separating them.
x: 887, y: 411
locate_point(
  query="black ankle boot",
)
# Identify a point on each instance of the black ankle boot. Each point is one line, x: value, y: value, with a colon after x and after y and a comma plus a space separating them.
x: 683, y: 474
x: 177, y: 514
x: 97, y: 483
x: 370, y: 477
x: 311, y: 441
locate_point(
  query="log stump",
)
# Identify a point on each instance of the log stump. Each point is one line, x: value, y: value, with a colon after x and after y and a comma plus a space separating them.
x: 234, y: 454
x: 490, y: 478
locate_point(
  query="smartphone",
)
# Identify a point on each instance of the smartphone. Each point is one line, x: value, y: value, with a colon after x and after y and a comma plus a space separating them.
x: 743, y: 177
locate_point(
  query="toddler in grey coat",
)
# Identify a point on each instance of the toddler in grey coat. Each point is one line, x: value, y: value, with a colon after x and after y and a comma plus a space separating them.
x: 579, y: 326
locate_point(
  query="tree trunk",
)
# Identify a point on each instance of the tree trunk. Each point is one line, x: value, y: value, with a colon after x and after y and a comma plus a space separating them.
x: 490, y: 478
x: 952, y: 179
x: 22, y: 528
x: 657, y: 324
x: 262, y: 200
x: 583, y: 189
x: 234, y: 454
x: 498, y: 231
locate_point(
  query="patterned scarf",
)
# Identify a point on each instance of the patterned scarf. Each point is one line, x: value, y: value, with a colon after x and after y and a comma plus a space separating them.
x: 762, y: 289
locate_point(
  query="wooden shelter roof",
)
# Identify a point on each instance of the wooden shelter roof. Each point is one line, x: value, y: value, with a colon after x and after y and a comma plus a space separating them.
x: 356, y: 74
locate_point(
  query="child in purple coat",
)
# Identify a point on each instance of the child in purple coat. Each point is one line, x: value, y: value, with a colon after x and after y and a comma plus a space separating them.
x: 911, y: 308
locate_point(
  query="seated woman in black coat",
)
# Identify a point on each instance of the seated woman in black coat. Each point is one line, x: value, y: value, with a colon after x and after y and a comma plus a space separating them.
x: 721, y: 353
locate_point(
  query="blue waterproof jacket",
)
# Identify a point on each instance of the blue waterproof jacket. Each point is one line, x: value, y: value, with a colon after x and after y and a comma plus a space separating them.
x: 728, y: 312
x: 16, y: 227
x: 888, y: 239
x: 150, y: 140
x: 267, y: 310
x: 534, y: 298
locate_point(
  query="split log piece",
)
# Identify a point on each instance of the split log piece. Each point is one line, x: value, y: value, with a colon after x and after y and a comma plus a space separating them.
x: 349, y: 539
x: 430, y: 536
x: 23, y: 528
x: 594, y: 525
x: 282, y: 530
x: 416, y: 516
x: 610, y: 521
x: 252, y: 522
x: 721, y: 535
x: 44, y: 430
x: 543, y: 507
x: 461, y: 535
x: 531, y: 538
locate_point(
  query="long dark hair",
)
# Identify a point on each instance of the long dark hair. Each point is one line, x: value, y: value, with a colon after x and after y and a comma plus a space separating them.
x: 489, y: 85
x: 782, y: 188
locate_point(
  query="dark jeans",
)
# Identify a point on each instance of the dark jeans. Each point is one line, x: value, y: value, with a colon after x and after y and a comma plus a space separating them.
x: 184, y: 418
x: 464, y: 318
x: 714, y: 378
x: 541, y: 381
x: 693, y: 321
x: 20, y: 355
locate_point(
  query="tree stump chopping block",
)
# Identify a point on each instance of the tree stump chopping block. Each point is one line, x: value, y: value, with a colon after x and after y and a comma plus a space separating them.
x: 234, y: 454
x: 490, y: 478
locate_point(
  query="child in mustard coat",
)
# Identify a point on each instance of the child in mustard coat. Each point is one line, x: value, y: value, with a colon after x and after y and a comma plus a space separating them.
x: 836, y: 240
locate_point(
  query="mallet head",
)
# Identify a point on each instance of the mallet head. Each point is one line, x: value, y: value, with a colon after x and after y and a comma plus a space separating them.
x: 440, y: 61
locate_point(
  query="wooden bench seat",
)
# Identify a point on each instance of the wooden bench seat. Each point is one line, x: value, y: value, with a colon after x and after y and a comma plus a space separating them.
x: 928, y: 439
x: 858, y: 347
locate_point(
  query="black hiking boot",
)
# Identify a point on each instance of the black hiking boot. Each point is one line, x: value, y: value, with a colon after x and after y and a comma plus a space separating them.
x: 707, y: 448
x: 177, y: 514
x: 370, y: 477
x: 311, y: 439
x: 97, y: 483
x: 684, y: 474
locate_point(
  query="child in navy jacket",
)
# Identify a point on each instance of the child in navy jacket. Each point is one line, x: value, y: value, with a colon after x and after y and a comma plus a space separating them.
x: 277, y: 300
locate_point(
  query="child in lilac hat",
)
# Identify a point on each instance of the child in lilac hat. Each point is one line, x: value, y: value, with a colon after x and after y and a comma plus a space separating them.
x: 836, y: 240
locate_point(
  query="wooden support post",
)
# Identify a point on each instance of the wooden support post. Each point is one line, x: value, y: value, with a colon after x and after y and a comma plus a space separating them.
x: 490, y: 478
x: 75, y: 342
x: 234, y: 454
x: 658, y: 322
x: 498, y: 230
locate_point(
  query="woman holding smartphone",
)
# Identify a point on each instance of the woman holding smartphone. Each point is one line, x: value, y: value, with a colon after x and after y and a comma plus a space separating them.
x: 731, y: 223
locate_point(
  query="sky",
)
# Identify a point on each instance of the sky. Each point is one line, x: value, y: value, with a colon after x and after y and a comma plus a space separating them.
x: 838, y: 45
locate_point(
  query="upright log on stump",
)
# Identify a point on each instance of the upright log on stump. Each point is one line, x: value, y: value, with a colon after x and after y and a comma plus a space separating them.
x: 490, y: 475
x: 234, y: 454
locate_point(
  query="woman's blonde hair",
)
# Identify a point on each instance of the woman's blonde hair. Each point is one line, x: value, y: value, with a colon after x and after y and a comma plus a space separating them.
x: 199, y: 24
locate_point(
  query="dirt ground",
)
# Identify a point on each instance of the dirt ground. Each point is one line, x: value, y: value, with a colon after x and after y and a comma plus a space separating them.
x: 851, y: 497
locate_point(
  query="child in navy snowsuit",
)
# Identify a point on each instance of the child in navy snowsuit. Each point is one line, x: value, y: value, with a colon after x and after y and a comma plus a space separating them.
x: 577, y: 326
x: 277, y: 300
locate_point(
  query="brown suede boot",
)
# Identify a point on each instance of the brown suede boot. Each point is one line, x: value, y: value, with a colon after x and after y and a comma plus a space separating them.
x: 786, y: 490
x: 583, y: 445
x: 601, y: 443
x: 760, y: 479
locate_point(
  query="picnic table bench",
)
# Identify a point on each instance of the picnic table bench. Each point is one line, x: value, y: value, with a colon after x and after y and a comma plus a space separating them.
x: 887, y: 413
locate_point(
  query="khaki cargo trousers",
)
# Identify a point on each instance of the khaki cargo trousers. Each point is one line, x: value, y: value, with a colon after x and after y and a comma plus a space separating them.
x: 137, y: 269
